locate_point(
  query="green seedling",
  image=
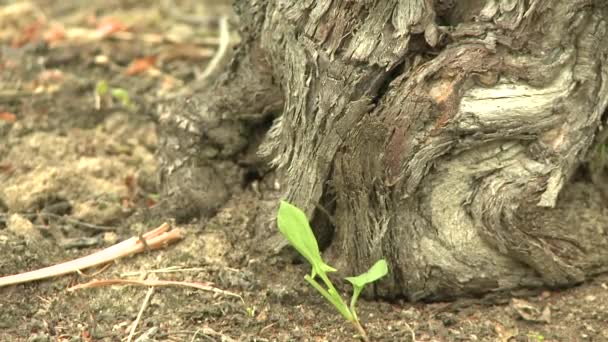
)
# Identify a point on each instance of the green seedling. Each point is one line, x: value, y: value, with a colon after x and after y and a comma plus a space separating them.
x: 293, y: 224
x: 102, y: 89
x: 250, y: 310
x: 536, y: 336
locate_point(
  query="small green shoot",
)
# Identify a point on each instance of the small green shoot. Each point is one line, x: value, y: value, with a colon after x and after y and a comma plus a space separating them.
x: 103, y: 89
x: 250, y: 310
x: 536, y: 336
x: 123, y: 96
x: 293, y: 224
x: 379, y: 270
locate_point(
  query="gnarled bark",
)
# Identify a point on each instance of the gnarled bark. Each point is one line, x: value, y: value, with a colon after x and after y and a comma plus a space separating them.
x: 440, y: 134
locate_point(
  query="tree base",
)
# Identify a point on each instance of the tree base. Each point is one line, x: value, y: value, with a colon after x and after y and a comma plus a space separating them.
x: 436, y: 136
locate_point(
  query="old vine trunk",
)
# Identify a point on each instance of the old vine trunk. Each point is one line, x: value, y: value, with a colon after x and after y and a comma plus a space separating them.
x: 441, y: 135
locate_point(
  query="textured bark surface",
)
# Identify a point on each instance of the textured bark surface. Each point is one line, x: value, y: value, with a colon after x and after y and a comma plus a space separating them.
x: 439, y: 135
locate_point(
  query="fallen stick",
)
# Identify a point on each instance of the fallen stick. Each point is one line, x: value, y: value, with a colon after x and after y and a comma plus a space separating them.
x: 78, y: 33
x: 206, y: 286
x: 155, y: 238
x: 140, y: 314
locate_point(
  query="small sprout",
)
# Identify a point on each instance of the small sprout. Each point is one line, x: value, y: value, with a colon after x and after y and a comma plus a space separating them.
x: 293, y: 224
x: 379, y: 270
x: 122, y: 96
x: 250, y: 311
x: 536, y: 336
x: 102, y: 89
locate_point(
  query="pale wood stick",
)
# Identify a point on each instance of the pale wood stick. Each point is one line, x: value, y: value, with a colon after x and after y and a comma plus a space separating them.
x: 206, y: 286
x: 155, y: 238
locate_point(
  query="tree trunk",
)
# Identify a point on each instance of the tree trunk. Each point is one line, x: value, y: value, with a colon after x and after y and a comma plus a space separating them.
x: 441, y: 135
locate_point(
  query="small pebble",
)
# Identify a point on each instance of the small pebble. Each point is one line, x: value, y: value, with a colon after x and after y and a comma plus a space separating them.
x: 590, y: 298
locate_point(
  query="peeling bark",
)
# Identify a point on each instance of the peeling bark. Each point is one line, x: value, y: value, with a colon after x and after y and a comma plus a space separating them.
x: 440, y: 134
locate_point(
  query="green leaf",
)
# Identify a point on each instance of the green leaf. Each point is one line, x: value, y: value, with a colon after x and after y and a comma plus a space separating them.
x: 293, y: 224
x: 379, y: 270
x: 122, y: 95
x: 101, y: 88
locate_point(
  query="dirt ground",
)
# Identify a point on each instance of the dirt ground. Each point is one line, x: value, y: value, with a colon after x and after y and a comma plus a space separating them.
x: 77, y: 81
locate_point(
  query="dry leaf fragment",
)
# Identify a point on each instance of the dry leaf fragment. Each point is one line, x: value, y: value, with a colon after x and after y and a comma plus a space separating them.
x: 8, y: 117
x: 141, y: 65
x: 108, y: 26
x: 54, y: 34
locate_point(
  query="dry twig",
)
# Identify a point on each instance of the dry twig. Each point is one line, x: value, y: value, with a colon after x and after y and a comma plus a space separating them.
x: 221, y: 50
x: 154, y: 239
x: 149, y: 282
x: 143, y: 308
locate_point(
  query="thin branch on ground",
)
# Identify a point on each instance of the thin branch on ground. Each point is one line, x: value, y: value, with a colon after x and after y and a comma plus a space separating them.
x: 170, y: 269
x: 148, y: 334
x: 212, y: 335
x: 156, y: 238
x: 103, y: 268
x: 206, y: 286
x: 143, y: 308
x: 413, y: 334
x: 221, y: 50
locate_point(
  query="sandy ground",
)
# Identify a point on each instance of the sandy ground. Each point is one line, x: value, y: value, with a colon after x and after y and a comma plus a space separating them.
x: 76, y: 162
